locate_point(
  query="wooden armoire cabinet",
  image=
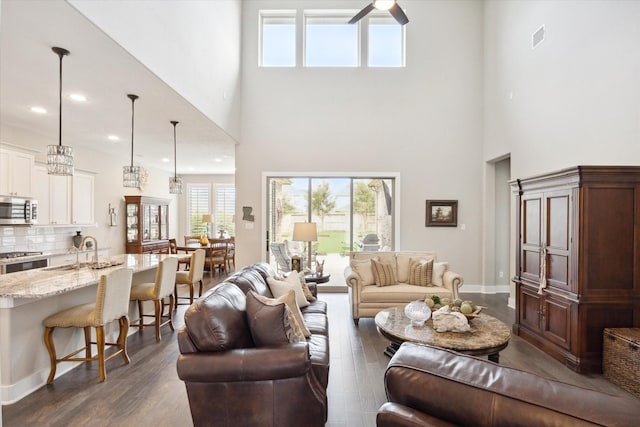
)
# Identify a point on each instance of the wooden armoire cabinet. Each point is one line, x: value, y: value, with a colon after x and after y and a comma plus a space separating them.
x: 577, y: 260
x: 147, y: 224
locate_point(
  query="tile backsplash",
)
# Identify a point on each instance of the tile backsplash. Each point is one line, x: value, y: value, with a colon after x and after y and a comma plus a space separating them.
x: 43, y: 239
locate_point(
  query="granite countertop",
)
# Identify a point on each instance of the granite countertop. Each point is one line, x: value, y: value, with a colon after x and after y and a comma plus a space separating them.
x: 48, y: 281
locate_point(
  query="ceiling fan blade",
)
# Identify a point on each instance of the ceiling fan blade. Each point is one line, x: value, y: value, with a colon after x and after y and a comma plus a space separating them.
x: 399, y: 14
x: 361, y: 14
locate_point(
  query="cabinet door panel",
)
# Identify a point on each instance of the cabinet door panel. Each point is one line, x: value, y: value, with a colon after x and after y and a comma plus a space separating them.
x: 557, y: 238
x: 83, y: 203
x: 531, y: 265
x: 529, y: 309
x: 532, y: 216
x: 557, y: 271
x: 41, y: 194
x: 557, y: 321
x: 61, y: 200
x: 558, y: 222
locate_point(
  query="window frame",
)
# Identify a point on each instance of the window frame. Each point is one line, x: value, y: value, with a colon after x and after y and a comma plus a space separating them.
x: 299, y: 18
x: 284, y: 14
x: 340, y: 17
x: 403, y: 40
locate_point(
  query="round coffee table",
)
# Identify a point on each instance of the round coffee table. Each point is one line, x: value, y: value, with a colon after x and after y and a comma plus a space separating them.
x: 487, y: 336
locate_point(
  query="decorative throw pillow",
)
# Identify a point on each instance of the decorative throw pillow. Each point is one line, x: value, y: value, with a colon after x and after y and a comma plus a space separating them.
x: 295, y: 277
x: 402, y: 263
x: 290, y: 299
x: 420, y: 272
x: 438, y: 271
x: 362, y: 267
x: 281, y: 287
x: 271, y: 322
x: 383, y: 273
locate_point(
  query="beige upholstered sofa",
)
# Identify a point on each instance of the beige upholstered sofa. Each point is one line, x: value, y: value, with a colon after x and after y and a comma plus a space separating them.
x: 367, y: 299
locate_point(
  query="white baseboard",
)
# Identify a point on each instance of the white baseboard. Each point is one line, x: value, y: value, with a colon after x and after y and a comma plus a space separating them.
x: 485, y: 289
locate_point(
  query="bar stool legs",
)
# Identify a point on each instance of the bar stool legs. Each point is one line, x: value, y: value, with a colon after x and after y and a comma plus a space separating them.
x: 99, y: 342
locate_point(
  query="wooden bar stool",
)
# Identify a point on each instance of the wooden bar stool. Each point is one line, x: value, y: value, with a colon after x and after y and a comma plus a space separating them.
x: 112, y: 303
x: 191, y: 277
x: 157, y: 292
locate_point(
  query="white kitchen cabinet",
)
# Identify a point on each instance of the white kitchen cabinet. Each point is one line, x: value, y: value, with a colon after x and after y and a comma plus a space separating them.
x: 16, y: 169
x: 83, y: 199
x: 53, y: 193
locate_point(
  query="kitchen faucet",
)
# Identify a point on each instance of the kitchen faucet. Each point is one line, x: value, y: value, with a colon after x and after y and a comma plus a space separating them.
x: 95, y: 244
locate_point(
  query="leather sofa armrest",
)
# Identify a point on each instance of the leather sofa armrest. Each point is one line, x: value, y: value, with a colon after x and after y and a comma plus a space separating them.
x: 397, y: 415
x: 452, y: 281
x: 249, y: 364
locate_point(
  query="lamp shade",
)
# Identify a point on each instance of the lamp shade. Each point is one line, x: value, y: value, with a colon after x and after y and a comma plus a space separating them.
x: 207, y: 218
x: 305, y: 232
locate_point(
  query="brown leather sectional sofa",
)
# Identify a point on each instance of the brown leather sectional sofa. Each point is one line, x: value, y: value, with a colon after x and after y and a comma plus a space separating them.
x: 428, y: 386
x: 230, y: 382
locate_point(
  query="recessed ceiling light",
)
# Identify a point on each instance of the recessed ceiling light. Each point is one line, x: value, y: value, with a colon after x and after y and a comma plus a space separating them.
x: 191, y: 168
x: 218, y: 159
x: 78, y: 97
x: 164, y: 159
x: 113, y: 138
x: 38, y: 110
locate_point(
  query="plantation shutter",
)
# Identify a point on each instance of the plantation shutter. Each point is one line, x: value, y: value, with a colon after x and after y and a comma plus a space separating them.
x: 225, y: 208
x: 198, y: 205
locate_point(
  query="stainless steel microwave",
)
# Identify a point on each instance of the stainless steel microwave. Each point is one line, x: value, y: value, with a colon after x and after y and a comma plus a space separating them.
x: 18, y: 211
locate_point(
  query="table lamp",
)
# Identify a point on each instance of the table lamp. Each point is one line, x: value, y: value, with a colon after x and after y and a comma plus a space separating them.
x: 305, y: 232
x: 206, y: 220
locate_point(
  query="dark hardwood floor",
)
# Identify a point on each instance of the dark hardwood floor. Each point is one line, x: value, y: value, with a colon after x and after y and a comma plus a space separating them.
x: 147, y: 392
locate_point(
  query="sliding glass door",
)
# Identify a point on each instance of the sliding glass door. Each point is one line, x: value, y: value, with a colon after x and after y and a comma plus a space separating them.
x: 350, y: 213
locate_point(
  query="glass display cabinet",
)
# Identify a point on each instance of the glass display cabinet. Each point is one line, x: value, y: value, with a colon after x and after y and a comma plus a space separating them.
x: 147, y: 224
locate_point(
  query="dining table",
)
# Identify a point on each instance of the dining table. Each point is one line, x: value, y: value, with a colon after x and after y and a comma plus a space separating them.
x: 211, y: 250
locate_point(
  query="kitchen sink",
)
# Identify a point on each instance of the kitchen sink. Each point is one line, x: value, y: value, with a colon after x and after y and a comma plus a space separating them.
x: 91, y: 265
x: 65, y: 267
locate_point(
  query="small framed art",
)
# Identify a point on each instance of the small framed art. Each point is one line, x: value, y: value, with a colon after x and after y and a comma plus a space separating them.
x: 442, y: 213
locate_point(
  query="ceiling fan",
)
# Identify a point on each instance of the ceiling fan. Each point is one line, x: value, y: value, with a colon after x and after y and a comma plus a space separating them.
x: 390, y: 5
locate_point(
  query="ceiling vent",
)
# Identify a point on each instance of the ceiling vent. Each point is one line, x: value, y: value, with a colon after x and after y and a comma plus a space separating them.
x: 537, y: 37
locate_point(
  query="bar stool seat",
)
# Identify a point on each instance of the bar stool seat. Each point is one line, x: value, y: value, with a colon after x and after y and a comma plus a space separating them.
x: 157, y: 291
x: 112, y: 303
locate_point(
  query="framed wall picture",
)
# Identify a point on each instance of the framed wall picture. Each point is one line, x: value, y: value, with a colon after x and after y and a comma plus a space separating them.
x: 442, y: 213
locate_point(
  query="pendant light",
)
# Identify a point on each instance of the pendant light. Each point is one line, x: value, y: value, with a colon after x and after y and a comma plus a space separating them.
x: 175, y: 182
x: 131, y: 174
x: 60, y: 157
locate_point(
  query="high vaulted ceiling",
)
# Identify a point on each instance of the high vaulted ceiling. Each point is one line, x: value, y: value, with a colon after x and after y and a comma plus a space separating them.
x: 105, y: 73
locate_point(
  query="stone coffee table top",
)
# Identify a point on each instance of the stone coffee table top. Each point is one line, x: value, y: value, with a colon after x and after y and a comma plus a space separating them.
x: 487, y: 336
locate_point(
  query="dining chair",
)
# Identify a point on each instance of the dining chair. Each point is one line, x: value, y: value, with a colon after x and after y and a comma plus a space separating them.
x: 217, y: 255
x: 191, y: 239
x: 173, y: 249
x: 191, y: 277
x: 231, y: 253
x: 112, y: 303
x: 157, y: 291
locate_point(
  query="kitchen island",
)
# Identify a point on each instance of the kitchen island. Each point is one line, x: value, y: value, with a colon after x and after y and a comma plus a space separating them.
x: 28, y: 297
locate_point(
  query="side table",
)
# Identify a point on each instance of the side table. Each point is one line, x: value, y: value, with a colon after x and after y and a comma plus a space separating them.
x: 314, y: 278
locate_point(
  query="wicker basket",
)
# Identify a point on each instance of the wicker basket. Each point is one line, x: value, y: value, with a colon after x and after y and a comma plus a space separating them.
x: 621, y: 358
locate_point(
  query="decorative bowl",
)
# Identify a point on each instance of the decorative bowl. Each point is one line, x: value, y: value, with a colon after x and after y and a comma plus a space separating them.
x: 418, y: 312
x: 475, y: 313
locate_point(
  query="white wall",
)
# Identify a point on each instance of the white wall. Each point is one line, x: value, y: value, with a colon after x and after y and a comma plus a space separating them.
x: 194, y: 46
x: 423, y: 121
x: 576, y: 97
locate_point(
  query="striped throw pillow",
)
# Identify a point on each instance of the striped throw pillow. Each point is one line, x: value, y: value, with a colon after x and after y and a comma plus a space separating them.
x: 383, y: 273
x: 420, y: 272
